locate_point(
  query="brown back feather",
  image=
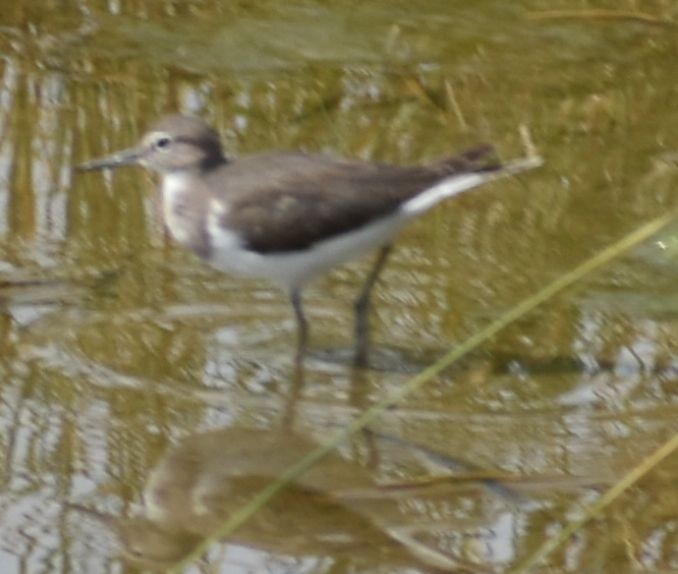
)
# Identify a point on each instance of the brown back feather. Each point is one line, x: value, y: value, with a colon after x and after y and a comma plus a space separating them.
x: 288, y: 202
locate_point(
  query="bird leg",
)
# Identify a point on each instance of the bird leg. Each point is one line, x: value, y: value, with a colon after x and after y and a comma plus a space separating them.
x: 302, y: 325
x: 362, y: 307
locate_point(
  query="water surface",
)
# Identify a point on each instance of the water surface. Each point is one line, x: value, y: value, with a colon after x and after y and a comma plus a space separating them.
x: 116, y: 345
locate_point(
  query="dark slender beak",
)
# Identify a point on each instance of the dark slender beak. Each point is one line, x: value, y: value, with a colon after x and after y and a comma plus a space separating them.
x: 129, y: 156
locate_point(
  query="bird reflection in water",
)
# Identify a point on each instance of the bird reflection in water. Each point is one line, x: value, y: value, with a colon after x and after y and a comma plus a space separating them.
x: 334, y: 510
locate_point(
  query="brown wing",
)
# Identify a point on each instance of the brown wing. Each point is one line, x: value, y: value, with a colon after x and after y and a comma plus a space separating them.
x: 287, y: 202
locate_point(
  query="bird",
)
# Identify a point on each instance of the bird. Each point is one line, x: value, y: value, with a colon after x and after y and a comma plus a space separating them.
x: 290, y: 216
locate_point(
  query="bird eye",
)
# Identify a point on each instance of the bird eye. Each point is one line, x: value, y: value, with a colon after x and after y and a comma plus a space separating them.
x: 163, y: 142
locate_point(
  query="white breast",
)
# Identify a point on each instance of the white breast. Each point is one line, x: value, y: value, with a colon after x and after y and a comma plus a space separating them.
x: 173, y: 189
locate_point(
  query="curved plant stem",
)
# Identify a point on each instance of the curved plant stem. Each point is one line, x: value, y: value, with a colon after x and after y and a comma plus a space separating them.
x: 638, y: 472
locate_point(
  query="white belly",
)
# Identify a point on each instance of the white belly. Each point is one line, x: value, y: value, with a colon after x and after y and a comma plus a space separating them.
x: 292, y: 270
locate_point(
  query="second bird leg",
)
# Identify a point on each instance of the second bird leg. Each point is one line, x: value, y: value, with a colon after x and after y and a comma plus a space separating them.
x: 362, y: 308
x: 302, y: 325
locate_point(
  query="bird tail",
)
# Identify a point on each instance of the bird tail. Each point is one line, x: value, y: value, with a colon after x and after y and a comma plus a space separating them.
x: 480, y: 158
x: 468, y: 170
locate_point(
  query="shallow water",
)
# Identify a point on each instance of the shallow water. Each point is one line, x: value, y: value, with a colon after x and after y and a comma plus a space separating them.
x: 116, y: 345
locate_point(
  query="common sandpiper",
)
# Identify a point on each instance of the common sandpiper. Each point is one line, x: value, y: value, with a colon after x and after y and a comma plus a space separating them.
x: 289, y: 216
